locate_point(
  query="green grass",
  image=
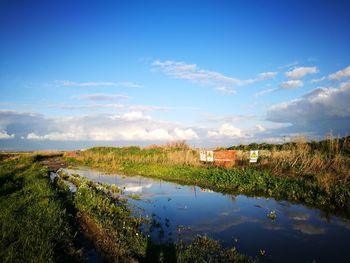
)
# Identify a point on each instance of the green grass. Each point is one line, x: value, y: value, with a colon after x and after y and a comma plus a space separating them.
x: 34, y: 225
x: 105, y: 218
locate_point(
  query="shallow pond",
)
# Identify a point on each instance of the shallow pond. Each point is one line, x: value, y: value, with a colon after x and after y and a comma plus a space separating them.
x: 297, y: 234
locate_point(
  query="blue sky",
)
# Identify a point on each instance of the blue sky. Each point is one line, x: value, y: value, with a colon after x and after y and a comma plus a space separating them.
x: 215, y: 73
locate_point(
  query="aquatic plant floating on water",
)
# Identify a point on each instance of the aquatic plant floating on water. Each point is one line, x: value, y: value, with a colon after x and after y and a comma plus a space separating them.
x: 272, y: 215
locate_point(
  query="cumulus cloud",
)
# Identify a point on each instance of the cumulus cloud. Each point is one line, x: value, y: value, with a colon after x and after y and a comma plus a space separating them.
x: 129, y: 126
x: 318, y: 111
x: 101, y: 96
x: 185, y: 134
x: 341, y: 74
x: 4, y: 135
x: 131, y: 116
x: 226, y: 130
x: 291, y: 84
x: 300, y: 72
x: 68, y: 83
x: 192, y: 72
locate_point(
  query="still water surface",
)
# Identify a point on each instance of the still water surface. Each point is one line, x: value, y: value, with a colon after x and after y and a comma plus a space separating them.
x: 298, y: 234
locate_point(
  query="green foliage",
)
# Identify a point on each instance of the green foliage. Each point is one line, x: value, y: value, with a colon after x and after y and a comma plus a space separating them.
x: 204, y: 249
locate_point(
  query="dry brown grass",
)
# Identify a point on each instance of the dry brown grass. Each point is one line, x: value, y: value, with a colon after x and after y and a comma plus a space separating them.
x: 301, y: 160
x: 297, y: 160
x: 163, y: 157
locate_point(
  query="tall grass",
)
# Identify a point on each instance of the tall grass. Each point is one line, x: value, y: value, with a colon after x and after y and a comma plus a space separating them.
x: 116, y: 157
x: 327, y: 160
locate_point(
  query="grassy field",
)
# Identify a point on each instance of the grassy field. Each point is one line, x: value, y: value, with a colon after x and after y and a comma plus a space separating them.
x: 296, y: 172
x: 34, y: 224
x: 41, y: 221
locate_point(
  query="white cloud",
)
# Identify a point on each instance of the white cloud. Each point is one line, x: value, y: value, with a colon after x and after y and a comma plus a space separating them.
x: 56, y: 136
x: 193, y: 73
x: 266, y: 75
x: 301, y: 72
x: 93, y: 107
x: 101, y: 96
x: 260, y: 128
x: 229, y: 118
x: 147, y: 108
x: 344, y: 73
x: 5, y: 135
x: 318, y: 111
x: 225, y: 130
x: 116, y: 106
x: 318, y: 80
x: 265, y: 91
x: 126, y: 134
x: 128, y: 85
x: 142, y: 134
x: 225, y: 91
x: 68, y: 83
x: 291, y: 84
x: 133, y: 116
x: 128, y: 127
x: 185, y: 134
x: 294, y: 63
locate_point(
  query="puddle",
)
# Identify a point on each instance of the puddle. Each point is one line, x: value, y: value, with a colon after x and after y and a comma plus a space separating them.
x: 297, y: 234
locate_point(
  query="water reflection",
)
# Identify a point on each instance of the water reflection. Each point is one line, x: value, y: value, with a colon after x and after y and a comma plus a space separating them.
x: 297, y: 234
x: 130, y: 187
x: 297, y: 215
x: 344, y: 223
x: 309, y: 229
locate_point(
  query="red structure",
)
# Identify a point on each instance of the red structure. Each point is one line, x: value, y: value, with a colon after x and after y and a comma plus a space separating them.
x: 71, y: 154
x: 224, y: 158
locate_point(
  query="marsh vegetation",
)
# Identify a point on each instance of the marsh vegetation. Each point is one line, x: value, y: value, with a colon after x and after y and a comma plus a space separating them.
x: 316, y: 174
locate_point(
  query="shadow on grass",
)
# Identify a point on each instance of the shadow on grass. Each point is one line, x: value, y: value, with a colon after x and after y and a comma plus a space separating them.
x: 159, y: 253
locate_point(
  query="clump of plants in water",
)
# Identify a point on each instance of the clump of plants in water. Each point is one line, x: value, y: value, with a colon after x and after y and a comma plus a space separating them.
x: 272, y: 215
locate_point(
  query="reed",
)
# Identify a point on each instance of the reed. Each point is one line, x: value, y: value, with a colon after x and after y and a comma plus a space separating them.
x: 155, y: 155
